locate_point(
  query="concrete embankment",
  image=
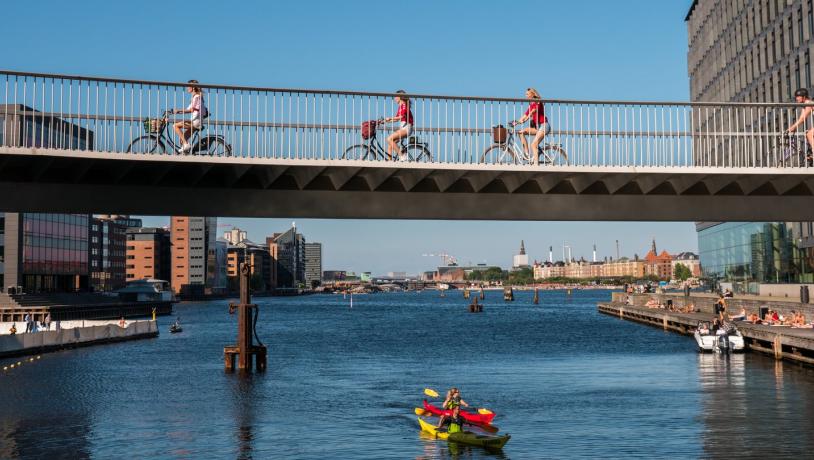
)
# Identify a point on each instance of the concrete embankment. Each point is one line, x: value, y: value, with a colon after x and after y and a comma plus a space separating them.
x: 73, y: 334
x: 782, y: 342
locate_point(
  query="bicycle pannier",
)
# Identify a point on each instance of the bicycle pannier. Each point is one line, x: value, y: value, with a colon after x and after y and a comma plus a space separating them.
x: 368, y: 129
x: 500, y: 134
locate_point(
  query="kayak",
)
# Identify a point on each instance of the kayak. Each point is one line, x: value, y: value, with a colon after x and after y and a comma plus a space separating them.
x: 472, y: 417
x: 465, y: 437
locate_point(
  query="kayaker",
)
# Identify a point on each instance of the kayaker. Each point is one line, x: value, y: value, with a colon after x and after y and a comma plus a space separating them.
x: 452, y: 402
x: 455, y: 421
x: 454, y: 399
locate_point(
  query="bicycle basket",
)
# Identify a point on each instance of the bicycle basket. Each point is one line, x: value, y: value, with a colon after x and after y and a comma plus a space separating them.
x: 500, y: 134
x: 153, y: 125
x: 368, y: 129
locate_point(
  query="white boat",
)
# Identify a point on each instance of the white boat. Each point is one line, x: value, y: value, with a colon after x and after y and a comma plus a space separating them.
x: 725, y: 340
x: 146, y: 290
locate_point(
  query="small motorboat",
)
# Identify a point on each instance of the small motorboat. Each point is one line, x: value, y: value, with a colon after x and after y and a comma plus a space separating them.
x: 725, y: 339
x: 176, y: 327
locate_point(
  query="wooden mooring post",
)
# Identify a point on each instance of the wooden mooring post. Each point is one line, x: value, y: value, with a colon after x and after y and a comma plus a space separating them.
x: 475, y: 307
x: 466, y: 293
x: 246, y: 317
x: 508, y: 294
x: 536, y: 296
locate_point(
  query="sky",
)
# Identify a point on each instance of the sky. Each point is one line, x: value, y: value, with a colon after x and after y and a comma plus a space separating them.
x: 591, y: 49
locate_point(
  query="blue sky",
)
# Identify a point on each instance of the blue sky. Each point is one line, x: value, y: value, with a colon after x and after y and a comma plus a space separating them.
x: 630, y: 50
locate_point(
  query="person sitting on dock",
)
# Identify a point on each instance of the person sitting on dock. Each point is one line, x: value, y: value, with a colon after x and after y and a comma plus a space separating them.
x: 652, y: 303
x: 739, y: 317
x: 728, y: 293
x: 122, y: 322
x: 754, y: 319
x: 13, y: 329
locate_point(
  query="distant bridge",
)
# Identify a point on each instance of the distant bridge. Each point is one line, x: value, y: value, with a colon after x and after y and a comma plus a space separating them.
x: 80, y: 144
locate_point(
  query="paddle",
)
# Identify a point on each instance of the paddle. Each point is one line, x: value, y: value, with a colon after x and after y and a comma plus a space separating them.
x: 489, y: 428
x: 434, y: 394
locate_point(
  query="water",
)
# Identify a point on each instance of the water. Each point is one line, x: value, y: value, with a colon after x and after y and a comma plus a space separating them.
x: 565, y: 381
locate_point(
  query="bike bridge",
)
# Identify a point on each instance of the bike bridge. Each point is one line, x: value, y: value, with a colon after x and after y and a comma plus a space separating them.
x: 67, y: 145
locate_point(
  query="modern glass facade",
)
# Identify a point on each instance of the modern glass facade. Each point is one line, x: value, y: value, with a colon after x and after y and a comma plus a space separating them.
x: 747, y: 254
x: 54, y: 251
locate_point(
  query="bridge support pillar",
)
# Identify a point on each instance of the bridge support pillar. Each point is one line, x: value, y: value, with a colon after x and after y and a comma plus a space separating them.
x: 245, y: 349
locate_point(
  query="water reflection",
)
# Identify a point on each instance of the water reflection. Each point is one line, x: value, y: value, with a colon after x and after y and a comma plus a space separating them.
x: 246, y: 396
x: 743, y: 392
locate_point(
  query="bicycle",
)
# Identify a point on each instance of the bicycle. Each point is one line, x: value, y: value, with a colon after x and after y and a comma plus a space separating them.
x: 156, y: 139
x: 415, y: 150
x: 505, y: 150
x: 792, y: 154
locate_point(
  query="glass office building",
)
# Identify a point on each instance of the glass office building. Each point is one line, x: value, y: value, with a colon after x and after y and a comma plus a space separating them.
x: 750, y: 253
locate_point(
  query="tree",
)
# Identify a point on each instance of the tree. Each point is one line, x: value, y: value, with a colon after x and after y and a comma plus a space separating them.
x: 682, y: 272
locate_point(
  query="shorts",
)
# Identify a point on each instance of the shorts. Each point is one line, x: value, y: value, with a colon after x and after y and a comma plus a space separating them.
x: 542, y: 131
x: 196, y: 123
x: 407, y: 126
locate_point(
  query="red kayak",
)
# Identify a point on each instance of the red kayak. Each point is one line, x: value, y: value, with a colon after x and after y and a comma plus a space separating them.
x: 472, y: 417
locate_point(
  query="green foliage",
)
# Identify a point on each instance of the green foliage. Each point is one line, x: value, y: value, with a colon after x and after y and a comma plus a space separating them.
x: 490, y: 274
x: 682, y: 272
x: 521, y: 276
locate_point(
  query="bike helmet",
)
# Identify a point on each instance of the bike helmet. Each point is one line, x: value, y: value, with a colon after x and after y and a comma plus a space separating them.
x: 802, y: 92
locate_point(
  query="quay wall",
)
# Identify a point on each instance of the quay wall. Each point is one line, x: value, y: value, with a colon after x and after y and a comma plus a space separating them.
x: 705, y: 302
x: 45, y: 341
x: 784, y: 343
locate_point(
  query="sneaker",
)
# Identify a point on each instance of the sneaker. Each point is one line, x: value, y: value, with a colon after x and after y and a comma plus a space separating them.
x: 186, y: 148
x: 404, y: 158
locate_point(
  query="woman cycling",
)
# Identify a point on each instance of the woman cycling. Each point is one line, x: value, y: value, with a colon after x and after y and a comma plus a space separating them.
x: 405, y: 117
x: 198, y: 110
x: 538, y: 127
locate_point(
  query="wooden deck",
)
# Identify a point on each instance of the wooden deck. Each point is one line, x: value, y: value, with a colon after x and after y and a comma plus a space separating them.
x: 782, y: 342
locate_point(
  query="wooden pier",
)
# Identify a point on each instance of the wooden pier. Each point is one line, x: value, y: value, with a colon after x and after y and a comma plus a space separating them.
x: 782, y: 342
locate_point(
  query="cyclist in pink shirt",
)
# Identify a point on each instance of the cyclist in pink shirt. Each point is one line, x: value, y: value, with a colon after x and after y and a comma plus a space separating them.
x: 538, y: 126
x: 405, y: 118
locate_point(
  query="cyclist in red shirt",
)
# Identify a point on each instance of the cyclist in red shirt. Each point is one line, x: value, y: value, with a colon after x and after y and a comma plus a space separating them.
x: 405, y: 118
x: 538, y: 126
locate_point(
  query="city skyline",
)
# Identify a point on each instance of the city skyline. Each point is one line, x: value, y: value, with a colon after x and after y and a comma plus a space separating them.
x: 414, y: 258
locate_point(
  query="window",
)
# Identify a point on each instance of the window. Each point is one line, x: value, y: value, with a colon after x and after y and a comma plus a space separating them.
x: 807, y: 67
x: 800, y: 25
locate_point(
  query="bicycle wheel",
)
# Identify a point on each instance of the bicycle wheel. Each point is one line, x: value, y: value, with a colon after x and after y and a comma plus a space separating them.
x: 499, y: 155
x: 146, y: 144
x: 553, y: 155
x: 215, y: 146
x: 357, y: 152
x: 418, y: 153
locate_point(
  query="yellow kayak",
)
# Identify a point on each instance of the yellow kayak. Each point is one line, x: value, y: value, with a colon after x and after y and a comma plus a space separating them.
x: 465, y: 437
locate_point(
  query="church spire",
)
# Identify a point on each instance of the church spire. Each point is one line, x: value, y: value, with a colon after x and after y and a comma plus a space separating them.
x: 653, y: 248
x: 522, y: 248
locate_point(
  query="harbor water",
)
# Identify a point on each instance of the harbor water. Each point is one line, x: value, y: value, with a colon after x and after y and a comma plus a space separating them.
x: 564, y: 380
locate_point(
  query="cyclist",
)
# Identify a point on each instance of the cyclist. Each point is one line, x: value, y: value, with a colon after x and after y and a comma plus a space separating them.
x: 197, y: 108
x: 405, y: 118
x: 538, y: 126
x: 801, y: 96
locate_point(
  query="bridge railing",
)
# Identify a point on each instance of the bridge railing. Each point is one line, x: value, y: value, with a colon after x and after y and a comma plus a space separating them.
x: 108, y: 115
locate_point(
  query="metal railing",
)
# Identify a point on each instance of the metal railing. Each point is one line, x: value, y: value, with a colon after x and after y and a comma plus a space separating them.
x: 107, y: 115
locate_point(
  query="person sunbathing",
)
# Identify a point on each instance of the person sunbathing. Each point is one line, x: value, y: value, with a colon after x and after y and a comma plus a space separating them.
x: 754, y: 319
x: 740, y: 316
x: 652, y: 303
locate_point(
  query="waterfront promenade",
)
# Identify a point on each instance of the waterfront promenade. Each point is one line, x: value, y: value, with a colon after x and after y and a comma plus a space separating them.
x: 71, y: 334
x: 782, y: 342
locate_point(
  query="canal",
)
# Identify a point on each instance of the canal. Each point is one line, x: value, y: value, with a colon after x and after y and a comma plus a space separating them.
x: 564, y: 380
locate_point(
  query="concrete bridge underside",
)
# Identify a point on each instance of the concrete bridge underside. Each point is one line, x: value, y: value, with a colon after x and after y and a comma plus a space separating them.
x: 99, y: 182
